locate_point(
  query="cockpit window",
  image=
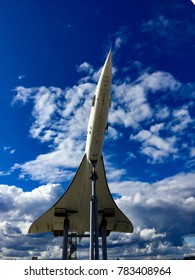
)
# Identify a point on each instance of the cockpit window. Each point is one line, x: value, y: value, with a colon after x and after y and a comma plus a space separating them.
x: 93, y: 102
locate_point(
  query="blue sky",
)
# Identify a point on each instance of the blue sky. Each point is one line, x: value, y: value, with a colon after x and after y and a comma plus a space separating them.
x: 51, y: 55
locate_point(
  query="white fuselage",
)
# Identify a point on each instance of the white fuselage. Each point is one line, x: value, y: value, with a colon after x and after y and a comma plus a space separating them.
x: 99, y: 113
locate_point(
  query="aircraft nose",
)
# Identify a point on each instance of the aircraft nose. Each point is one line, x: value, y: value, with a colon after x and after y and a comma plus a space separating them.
x: 107, y: 68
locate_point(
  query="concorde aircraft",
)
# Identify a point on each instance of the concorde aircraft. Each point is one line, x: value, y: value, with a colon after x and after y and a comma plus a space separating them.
x: 75, y: 202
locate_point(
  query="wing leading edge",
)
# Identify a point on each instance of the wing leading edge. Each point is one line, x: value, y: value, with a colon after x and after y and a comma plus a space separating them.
x: 74, y: 204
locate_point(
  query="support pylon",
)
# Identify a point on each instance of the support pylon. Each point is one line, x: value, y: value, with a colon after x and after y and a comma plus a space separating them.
x: 94, y: 233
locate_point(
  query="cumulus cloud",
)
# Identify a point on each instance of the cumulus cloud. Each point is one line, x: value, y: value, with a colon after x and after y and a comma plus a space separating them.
x: 15, y: 201
x: 162, y: 214
x: 181, y: 119
x: 162, y: 113
x: 149, y: 234
x: 161, y: 204
x: 85, y: 67
x: 54, y: 166
x: 153, y: 145
x: 44, y: 108
x: 131, y: 106
x: 18, y: 209
x: 159, y: 81
x: 162, y: 138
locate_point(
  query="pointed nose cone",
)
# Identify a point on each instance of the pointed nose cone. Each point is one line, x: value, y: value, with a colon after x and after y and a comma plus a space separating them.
x: 107, y: 68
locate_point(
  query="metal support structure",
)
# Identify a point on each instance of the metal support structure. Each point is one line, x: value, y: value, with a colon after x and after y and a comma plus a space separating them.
x: 94, y: 232
x: 72, y: 242
x: 65, y: 239
x: 104, y: 238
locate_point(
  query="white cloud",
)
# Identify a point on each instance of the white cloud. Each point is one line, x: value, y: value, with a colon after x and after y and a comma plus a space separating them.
x: 131, y: 106
x: 52, y: 167
x: 44, y: 108
x: 23, y: 94
x: 153, y: 145
x: 163, y: 113
x: 16, y: 202
x: 85, y: 67
x: 181, y: 119
x: 115, y: 174
x: 159, y: 81
x: 18, y: 210
x: 149, y: 234
x: 151, y: 207
x: 173, y: 191
x: 5, y: 173
x: 155, y: 154
x: 9, y: 150
x: 160, y: 210
x: 121, y: 37
x: 55, y: 109
x: 142, y: 135
x: 20, y: 77
x: 160, y: 144
x: 156, y: 128
x: 156, y: 147
x: 113, y: 133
